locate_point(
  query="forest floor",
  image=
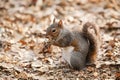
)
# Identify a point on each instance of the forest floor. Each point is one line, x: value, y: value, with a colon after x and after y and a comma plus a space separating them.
x: 24, y: 54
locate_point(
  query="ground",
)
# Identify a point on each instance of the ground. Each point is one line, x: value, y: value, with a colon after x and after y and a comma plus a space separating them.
x: 25, y: 54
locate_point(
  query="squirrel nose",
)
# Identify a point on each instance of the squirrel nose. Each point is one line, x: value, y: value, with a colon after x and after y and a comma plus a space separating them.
x: 47, y: 36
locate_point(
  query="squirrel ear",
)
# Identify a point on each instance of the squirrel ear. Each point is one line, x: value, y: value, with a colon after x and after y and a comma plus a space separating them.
x: 54, y: 20
x: 60, y: 24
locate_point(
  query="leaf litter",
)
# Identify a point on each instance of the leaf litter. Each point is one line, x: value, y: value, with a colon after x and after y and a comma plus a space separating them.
x: 25, y: 53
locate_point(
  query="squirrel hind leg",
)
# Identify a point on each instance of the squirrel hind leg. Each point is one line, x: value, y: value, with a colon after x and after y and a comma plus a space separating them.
x: 77, y: 61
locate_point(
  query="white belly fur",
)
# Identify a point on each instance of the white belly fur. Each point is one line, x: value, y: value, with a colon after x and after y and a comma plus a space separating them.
x: 67, y: 52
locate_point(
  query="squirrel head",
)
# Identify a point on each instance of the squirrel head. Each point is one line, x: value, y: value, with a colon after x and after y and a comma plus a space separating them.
x: 54, y: 29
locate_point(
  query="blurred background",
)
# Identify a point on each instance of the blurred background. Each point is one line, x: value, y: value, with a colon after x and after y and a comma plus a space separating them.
x: 24, y: 54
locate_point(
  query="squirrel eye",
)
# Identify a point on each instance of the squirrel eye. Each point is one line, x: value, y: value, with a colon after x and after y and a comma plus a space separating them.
x: 53, y: 30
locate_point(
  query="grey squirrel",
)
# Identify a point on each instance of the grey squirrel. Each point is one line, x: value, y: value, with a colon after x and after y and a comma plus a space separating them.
x: 82, y: 45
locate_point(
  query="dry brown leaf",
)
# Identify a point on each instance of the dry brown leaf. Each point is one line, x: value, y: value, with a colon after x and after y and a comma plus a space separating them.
x: 31, y: 44
x: 90, y: 69
x: 112, y: 43
x: 5, y: 45
x: 22, y: 75
x: 24, y: 17
x: 117, y: 75
x: 22, y: 42
x: 95, y: 74
x: 109, y: 54
x: 38, y: 48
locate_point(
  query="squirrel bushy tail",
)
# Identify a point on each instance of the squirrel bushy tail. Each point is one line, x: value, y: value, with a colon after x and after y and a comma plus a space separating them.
x: 92, y: 53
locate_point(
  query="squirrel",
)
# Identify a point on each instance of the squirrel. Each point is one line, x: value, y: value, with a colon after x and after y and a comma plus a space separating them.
x: 82, y: 45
